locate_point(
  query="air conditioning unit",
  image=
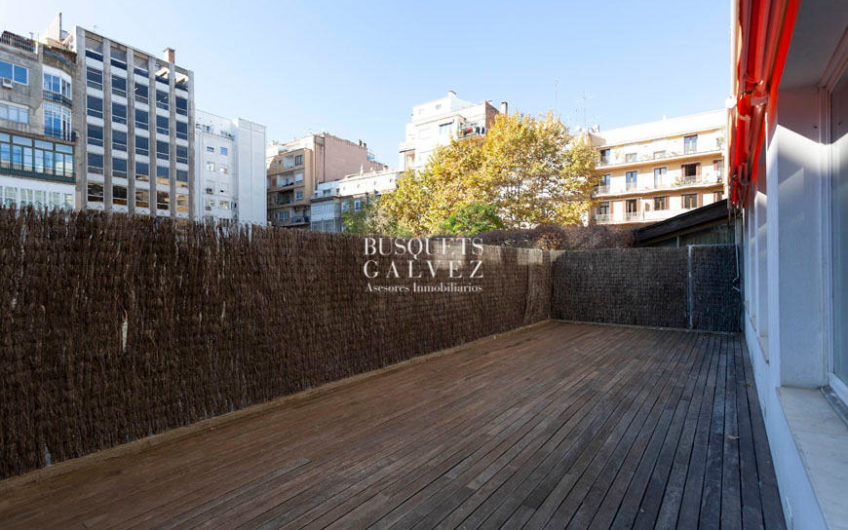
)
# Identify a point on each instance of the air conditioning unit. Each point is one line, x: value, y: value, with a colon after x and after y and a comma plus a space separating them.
x: 7, y: 83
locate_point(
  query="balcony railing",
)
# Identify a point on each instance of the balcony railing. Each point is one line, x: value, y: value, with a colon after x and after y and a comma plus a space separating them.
x: 652, y: 157
x: 710, y: 179
x: 602, y: 218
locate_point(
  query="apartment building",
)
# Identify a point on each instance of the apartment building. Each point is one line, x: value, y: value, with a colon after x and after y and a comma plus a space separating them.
x: 37, y: 154
x: 136, y: 123
x: 326, y: 210
x: 434, y: 123
x: 657, y: 170
x: 229, y: 170
x: 298, y: 167
x: 332, y: 200
x: 357, y: 190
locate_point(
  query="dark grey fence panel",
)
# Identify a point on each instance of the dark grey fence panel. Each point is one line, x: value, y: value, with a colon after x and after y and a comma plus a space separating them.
x: 649, y: 286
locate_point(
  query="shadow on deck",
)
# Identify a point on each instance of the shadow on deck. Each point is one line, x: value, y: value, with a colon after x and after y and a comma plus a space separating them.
x: 557, y: 425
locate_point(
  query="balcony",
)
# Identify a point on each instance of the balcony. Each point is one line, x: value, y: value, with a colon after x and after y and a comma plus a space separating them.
x: 654, y: 158
x: 550, y: 425
x: 602, y: 218
x: 57, y: 98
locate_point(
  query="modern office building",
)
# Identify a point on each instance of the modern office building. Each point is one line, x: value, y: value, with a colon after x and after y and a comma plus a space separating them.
x: 37, y: 155
x: 434, y: 123
x: 657, y: 170
x: 230, y: 170
x: 789, y: 182
x: 298, y: 167
x: 332, y: 200
x: 136, y: 125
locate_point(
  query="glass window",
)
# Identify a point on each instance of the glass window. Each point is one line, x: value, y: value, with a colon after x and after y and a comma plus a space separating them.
x: 690, y: 201
x: 119, y: 113
x: 142, y: 118
x: 95, y: 135
x: 839, y: 158
x: 163, y: 173
x: 119, y: 167
x: 182, y: 106
x: 162, y: 125
x: 95, y: 192
x: 94, y: 78
x: 659, y: 176
x: 210, y: 149
x: 298, y: 160
x: 14, y: 113
x: 142, y: 145
x: 182, y: 175
x: 21, y: 75
x: 141, y: 93
x: 142, y: 170
x: 142, y: 198
x: 660, y: 203
x: 224, y: 151
x: 298, y: 195
x: 119, y: 141
x: 182, y: 130
x: 630, y: 157
x: 95, y: 163
x: 632, y: 178
x: 162, y: 100
x: 57, y: 121
x: 690, y: 144
x: 94, y: 106
x: 119, y: 86
x: 182, y: 154
x: 119, y: 195
x: 163, y: 150
x: 163, y: 200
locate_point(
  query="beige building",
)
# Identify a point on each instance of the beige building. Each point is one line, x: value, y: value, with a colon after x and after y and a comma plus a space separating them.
x: 298, y: 167
x: 434, y: 123
x: 657, y: 170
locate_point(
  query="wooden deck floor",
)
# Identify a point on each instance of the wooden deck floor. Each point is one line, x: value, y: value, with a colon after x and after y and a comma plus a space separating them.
x: 559, y: 425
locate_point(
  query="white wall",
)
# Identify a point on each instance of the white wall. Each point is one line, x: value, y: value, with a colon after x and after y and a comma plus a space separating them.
x: 252, y: 194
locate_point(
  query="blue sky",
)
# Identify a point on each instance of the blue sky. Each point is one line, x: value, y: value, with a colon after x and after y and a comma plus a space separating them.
x: 355, y: 69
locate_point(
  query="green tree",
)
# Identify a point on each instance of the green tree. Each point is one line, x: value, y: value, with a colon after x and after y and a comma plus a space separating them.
x: 531, y: 169
x: 472, y: 219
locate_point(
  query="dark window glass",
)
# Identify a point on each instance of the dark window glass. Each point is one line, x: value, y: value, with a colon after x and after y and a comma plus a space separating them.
x: 119, y: 85
x: 162, y: 125
x: 141, y: 119
x: 95, y: 135
x: 95, y: 163
x: 182, y: 130
x: 94, y: 106
x: 163, y: 150
x: 182, y: 106
x: 119, y: 167
x: 142, y: 168
x: 119, y: 140
x: 142, y: 146
x: 119, y: 113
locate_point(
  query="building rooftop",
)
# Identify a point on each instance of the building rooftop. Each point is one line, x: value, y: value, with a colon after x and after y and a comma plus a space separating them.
x: 678, y: 126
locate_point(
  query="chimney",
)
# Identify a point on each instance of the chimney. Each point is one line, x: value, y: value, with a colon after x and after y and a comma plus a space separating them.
x: 504, y: 108
x: 168, y: 55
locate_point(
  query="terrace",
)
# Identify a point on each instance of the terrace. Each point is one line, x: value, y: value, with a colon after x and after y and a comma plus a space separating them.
x: 551, y: 425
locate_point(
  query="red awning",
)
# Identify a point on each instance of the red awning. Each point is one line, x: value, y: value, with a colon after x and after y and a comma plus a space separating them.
x: 763, y: 33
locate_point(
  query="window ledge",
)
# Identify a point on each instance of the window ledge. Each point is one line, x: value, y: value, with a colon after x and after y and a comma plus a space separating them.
x: 822, y: 440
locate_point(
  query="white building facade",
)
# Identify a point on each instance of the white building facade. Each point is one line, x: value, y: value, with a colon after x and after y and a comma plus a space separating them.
x: 789, y: 169
x: 230, y: 170
x: 434, y: 123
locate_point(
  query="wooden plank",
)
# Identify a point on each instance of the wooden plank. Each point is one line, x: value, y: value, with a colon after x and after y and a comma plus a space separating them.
x: 563, y: 425
x: 710, y: 515
x: 769, y: 495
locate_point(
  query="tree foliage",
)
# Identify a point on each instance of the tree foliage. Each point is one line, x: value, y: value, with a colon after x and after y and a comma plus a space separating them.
x: 531, y: 169
x: 472, y: 219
